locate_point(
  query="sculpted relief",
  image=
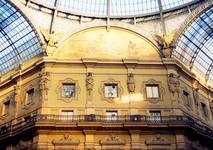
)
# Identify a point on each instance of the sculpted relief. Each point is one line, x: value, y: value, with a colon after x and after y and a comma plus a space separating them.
x: 174, y: 84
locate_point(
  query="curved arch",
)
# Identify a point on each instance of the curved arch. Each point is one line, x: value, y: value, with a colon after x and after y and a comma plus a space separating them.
x: 112, y: 43
x: 194, y: 42
x: 126, y: 26
x: 19, y: 41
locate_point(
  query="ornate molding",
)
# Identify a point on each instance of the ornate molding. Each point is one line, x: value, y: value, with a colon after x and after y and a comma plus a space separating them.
x: 158, y: 140
x: 112, y: 140
x: 66, y: 140
x: 161, y: 91
x: 60, y: 86
x: 102, y: 90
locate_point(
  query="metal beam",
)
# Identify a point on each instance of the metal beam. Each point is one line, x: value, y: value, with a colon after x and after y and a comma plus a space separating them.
x: 161, y: 17
x: 55, y: 12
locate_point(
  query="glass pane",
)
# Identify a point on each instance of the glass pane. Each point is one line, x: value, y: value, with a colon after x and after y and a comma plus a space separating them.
x: 149, y: 91
x: 111, y: 90
x: 68, y: 90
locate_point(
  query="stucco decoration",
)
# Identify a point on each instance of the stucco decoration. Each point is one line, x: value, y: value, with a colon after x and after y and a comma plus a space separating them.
x: 28, y: 145
x: 112, y: 44
x: 66, y: 140
x: 158, y: 140
x: 165, y: 43
x: 112, y: 140
x: 174, y: 84
x: 131, y: 83
x: 51, y: 40
x: 89, y: 83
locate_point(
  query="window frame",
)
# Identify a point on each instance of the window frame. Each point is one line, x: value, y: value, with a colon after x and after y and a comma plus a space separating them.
x: 108, y: 85
x: 160, y: 91
x: 59, y: 90
x: 152, y: 93
x: 3, y: 111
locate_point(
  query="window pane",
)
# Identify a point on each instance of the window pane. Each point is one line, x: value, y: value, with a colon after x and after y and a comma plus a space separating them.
x: 68, y: 90
x: 111, y: 115
x: 111, y: 90
x: 149, y: 91
x: 155, y: 91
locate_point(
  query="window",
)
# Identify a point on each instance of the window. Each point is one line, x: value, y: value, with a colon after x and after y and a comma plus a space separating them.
x: 29, y: 96
x: 111, y: 90
x: 204, y: 110
x: 112, y: 115
x: 186, y: 100
x: 155, y: 115
x: 5, y: 108
x: 152, y: 91
x: 67, y: 115
x: 68, y: 90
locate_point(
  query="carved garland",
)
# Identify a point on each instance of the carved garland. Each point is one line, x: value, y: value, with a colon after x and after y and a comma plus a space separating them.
x: 102, y: 90
x: 60, y: 86
x: 112, y: 140
x: 161, y: 91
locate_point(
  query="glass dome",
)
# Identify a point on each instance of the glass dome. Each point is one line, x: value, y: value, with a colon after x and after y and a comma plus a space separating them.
x: 195, y: 47
x: 115, y: 8
x: 18, y: 40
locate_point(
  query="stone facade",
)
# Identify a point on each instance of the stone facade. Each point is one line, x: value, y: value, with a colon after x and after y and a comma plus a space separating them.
x: 112, y: 91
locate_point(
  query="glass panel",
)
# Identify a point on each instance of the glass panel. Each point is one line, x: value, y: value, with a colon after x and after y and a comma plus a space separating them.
x: 111, y: 90
x: 195, y: 47
x: 68, y: 90
x: 30, y: 95
x: 117, y: 7
x: 17, y: 38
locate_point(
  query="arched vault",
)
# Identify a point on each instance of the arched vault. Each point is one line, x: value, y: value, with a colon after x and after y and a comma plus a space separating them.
x: 194, y: 43
x: 18, y: 39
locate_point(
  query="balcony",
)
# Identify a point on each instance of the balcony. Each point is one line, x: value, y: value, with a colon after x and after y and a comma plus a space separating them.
x: 99, y: 121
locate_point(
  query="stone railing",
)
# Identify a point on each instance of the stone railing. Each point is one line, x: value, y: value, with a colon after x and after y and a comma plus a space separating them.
x: 13, y: 128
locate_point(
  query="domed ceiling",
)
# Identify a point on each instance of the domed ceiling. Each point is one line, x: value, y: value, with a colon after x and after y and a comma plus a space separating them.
x: 115, y: 8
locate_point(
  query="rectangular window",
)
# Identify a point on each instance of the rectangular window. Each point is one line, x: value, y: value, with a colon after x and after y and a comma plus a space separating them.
x: 204, y: 110
x: 112, y: 115
x: 67, y: 115
x: 111, y: 90
x: 152, y: 91
x: 186, y: 98
x: 5, y: 108
x: 30, y: 95
x: 155, y: 115
x: 68, y: 90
